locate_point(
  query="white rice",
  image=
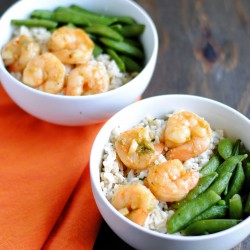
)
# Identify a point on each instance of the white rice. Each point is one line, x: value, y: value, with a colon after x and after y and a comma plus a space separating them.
x: 113, y: 173
x: 42, y: 36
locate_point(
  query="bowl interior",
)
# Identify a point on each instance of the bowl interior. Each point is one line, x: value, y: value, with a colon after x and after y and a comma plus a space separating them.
x: 79, y: 110
x: 23, y: 8
x: 220, y: 116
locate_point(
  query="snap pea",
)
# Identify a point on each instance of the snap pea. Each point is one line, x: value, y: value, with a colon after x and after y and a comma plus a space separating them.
x: 97, y: 50
x: 133, y: 30
x: 211, y: 166
x: 183, y: 215
x: 133, y: 42
x: 222, y: 203
x: 67, y: 15
x: 202, y: 185
x: 237, y: 182
x: 123, y: 47
x: 117, y: 59
x: 121, y: 19
x: 125, y: 19
x: 35, y: 23
x: 130, y: 64
x: 219, y: 185
x: 214, y: 212
x: 247, y: 205
x: 235, y: 207
x: 41, y: 14
x: 225, y: 148
x: 104, y: 31
x: 246, y: 186
x: 210, y: 226
x: 71, y: 25
x: 236, y: 147
x: 230, y: 163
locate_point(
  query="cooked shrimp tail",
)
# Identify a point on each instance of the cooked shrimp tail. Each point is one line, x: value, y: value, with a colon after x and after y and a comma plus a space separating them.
x: 135, y: 149
x: 45, y: 72
x: 18, y: 52
x: 134, y: 201
x: 71, y: 45
x: 86, y: 79
x: 170, y: 182
x: 186, y: 135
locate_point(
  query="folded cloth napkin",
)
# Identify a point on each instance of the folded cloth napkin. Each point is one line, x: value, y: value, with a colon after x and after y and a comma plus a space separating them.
x: 46, y: 200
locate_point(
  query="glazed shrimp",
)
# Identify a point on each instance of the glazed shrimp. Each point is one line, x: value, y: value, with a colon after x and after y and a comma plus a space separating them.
x: 71, y: 45
x: 87, y: 79
x: 45, y: 72
x: 134, y: 201
x: 186, y: 135
x: 135, y: 149
x: 170, y: 182
x: 18, y: 52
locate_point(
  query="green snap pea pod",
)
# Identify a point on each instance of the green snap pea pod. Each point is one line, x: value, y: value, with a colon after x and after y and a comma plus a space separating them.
x: 214, y: 212
x: 117, y: 27
x: 182, y: 216
x: 104, y: 31
x: 133, y: 30
x: 35, y: 23
x: 225, y: 148
x: 71, y: 25
x: 125, y: 19
x: 246, y: 186
x: 247, y: 205
x: 222, y: 203
x: 133, y: 42
x: 235, y: 207
x: 130, y: 64
x: 202, y: 185
x: 67, y: 15
x: 236, y: 147
x: 211, y: 166
x: 97, y: 50
x: 121, y: 19
x: 237, y: 182
x: 244, y: 150
x: 41, y: 14
x: 117, y: 59
x: 123, y: 47
x: 230, y: 163
x: 226, y: 189
x: 210, y: 226
x: 219, y: 185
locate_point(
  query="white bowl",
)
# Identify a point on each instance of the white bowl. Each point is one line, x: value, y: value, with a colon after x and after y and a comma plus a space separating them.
x: 68, y: 110
x: 218, y: 115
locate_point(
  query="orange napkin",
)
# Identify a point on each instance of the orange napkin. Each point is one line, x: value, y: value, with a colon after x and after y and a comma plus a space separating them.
x: 46, y: 200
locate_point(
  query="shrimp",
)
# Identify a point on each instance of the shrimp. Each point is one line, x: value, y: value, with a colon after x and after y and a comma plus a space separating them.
x: 18, y: 52
x: 135, y: 149
x: 45, y: 72
x: 71, y: 45
x: 169, y: 181
x: 88, y: 78
x: 134, y: 201
x: 186, y: 135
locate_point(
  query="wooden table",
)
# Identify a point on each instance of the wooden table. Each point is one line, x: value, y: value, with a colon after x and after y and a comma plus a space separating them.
x: 203, y: 50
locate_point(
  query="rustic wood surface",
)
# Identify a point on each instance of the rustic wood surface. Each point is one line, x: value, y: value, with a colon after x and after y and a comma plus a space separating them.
x: 203, y: 50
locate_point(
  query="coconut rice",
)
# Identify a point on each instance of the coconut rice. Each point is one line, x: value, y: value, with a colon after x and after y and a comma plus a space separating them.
x: 114, y: 173
x: 42, y: 36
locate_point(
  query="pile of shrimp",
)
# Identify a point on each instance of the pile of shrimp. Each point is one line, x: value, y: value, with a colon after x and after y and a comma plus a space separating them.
x: 159, y: 164
x: 46, y: 70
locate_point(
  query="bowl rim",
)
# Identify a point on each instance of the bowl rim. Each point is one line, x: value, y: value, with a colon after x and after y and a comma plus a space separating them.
x: 96, y: 184
x: 106, y: 94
